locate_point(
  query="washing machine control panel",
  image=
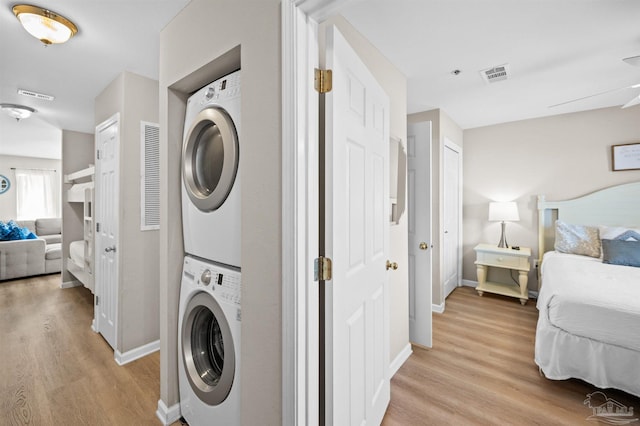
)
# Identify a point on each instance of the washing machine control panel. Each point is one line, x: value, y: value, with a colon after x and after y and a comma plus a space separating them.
x: 205, y: 278
x: 225, y: 284
x: 225, y: 88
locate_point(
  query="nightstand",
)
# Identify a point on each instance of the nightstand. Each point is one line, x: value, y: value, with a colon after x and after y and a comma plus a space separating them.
x: 490, y: 256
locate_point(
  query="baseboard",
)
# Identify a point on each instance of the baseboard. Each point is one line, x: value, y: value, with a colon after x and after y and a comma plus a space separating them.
x: 139, y: 352
x: 469, y: 283
x: 168, y: 415
x: 93, y: 325
x: 69, y: 284
x: 400, y: 359
x: 437, y: 309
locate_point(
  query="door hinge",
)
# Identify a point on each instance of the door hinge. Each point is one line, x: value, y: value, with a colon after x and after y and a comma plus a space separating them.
x: 97, y: 226
x: 322, y: 269
x: 323, y: 80
x: 97, y: 300
x: 98, y: 154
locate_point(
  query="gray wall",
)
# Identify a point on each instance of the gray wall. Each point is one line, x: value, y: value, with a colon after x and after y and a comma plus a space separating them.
x: 562, y: 157
x: 192, y: 49
x: 77, y: 154
x: 136, y: 99
x: 8, y: 199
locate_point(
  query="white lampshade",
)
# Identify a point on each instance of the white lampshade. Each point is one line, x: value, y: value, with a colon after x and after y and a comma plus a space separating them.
x: 45, y: 25
x: 504, y: 211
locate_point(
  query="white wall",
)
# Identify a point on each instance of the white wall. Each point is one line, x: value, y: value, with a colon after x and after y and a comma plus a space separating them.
x: 9, y: 162
x: 192, y: 54
x: 563, y: 156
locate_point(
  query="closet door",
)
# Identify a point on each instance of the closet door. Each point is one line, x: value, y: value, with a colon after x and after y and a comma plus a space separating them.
x: 107, y: 227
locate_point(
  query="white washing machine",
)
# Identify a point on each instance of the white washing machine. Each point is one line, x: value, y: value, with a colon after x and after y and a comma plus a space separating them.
x: 209, y: 344
x: 210, y: 172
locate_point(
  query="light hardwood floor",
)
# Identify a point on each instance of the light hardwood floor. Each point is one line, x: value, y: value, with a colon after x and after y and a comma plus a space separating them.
x: 55, y: 371
x: 480, y: 371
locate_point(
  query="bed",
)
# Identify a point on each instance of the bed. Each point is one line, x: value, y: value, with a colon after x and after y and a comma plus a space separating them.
x: 80, y: 263
x: 589, y: 310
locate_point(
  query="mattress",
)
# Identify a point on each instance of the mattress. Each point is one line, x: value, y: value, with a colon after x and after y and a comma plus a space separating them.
x: 76, y: 253
x: 587, y: 298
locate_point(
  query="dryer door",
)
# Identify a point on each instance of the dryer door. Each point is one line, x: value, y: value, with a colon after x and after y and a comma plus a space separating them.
x: 210, y: 155
x: 207, y: 349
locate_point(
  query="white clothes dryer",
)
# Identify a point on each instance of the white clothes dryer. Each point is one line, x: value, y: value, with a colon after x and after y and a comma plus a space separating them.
x: 209, y: 344
x: 211, y: 172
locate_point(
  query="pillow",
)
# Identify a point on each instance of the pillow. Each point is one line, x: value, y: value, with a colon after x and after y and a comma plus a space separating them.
x: 11, y: 231
x: 621, y: 252
x: 619, y: 233
x: 577, y: 239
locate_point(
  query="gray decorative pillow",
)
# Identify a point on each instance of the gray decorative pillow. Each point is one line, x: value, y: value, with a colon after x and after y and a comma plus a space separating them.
x: 577, y: 239
x: 619, y: 233
x: 621, y: 252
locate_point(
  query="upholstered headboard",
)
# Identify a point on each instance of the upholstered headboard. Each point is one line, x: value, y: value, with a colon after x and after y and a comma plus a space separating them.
x: 614, y: 206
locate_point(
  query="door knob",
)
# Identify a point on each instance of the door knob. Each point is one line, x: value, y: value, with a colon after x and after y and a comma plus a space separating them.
x: 423, y: 246
x: 108, y: 249
x: 391, y: 265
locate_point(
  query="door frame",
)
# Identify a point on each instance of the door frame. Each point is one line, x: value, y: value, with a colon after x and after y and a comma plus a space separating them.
x: 300, y: 208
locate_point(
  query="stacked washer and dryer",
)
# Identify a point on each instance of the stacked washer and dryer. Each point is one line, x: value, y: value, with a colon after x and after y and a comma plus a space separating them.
x: 210, y: 309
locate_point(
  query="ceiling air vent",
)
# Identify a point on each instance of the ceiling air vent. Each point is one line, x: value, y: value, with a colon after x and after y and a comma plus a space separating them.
x: 36, y: 95
x: 496, y: 73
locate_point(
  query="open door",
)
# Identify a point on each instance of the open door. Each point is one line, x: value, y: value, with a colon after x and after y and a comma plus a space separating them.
x: 356, y: 236
x: 420, y: 247
x: 107, y: 227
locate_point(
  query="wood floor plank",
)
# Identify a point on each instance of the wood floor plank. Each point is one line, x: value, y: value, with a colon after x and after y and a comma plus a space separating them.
x: 480, y: 371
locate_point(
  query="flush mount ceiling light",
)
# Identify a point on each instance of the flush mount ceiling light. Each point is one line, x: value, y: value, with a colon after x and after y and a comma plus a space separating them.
x: 45, y: 25
x: 634, y: 60
x: 17, y: 111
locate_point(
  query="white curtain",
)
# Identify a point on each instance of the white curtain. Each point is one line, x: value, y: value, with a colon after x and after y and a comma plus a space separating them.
x: 37, y: 194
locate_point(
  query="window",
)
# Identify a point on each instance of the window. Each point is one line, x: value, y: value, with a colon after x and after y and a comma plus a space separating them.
x: 37, y: 194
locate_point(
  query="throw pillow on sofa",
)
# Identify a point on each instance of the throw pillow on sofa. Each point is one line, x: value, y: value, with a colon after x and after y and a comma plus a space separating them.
x: 11, y: 231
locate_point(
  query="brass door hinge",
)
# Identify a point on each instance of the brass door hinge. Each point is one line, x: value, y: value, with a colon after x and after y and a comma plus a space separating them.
x: 323, y: 80
x: 322, y: 269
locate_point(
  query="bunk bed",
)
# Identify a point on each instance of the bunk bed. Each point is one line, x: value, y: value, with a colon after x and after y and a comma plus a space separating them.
x: 81, y: 258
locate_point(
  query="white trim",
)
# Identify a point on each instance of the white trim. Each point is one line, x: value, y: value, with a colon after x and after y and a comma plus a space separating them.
x: 139, y: 352
x: 469, y: 283
x: 438, y: 309
x: 93, y: 324
x: 168, y: 415
x: 400, y: 359
x: 70, y: 284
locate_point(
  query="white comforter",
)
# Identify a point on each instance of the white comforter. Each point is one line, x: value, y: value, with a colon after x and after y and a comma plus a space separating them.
x: 589, y: 322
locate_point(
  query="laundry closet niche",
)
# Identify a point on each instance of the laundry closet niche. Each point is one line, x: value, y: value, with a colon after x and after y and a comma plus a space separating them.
x: 126, y: 264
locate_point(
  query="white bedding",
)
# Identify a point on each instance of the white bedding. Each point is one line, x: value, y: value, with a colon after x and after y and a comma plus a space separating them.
x: 76, y: 253
x: 589, y: 322
x: 588, y: 298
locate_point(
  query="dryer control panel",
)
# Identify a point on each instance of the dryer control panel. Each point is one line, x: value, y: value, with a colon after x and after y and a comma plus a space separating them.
x: 227, y: 87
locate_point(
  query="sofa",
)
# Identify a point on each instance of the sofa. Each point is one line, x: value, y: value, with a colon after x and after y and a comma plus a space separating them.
x: 43, y: 255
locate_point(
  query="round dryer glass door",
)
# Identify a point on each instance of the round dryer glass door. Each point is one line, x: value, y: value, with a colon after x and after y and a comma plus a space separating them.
x: 210, y: 159
x: 207, y: 349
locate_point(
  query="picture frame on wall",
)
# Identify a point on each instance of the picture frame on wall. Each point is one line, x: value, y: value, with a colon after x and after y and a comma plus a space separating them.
x: 625, y: 157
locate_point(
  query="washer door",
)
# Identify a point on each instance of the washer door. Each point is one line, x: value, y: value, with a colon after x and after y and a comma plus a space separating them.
x: 210, y: 158
x: 207, y: 349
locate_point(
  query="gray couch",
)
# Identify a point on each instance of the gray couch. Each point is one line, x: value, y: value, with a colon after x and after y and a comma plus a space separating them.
x: 23, y: 258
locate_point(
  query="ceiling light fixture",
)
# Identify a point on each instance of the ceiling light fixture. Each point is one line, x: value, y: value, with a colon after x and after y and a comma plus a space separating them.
x: 634, y: 60
x: 45, y: 25
x: 17, y: 111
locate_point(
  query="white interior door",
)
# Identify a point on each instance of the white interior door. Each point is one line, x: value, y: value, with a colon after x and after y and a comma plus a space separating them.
x: 357, y: 239
x: 106, y: 241
x: 420, y: 246
x: 452, y: 216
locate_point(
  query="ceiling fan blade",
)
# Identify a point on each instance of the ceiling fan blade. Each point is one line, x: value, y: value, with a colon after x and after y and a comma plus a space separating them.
x: 633, y: 60
x: 596, y: 94
x: 632, y: 102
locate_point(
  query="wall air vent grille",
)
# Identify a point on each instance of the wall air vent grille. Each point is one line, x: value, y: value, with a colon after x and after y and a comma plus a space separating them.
x: 149, y: 176
x: 36, y: 95
x: 496, y: 73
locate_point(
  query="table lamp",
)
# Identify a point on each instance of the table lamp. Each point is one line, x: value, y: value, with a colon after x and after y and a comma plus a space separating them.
x: 503, y: 212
